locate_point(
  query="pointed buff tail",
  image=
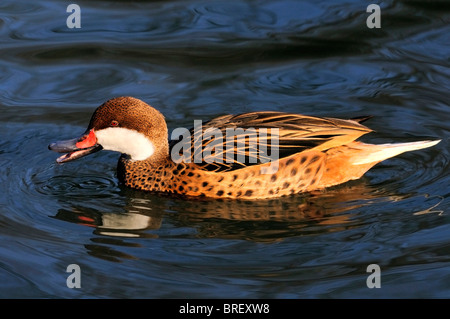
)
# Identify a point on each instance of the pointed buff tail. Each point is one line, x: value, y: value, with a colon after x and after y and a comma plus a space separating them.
x: 351, y: 161
x: 381, y: 152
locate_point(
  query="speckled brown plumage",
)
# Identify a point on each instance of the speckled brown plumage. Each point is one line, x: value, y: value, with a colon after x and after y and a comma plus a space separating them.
x: 247, y: 183
x: 314, y: 153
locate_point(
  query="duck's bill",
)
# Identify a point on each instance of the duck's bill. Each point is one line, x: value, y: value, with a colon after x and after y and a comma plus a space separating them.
x: 71, y: 156
x: 76, y: 148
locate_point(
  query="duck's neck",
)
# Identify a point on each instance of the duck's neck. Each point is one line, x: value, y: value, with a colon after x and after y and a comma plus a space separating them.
x: 135, y: 174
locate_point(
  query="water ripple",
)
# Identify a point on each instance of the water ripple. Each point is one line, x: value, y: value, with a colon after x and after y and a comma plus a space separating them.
x: 74, y: 185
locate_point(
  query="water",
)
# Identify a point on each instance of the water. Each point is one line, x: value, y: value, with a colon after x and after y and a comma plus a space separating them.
x: 195, y: 60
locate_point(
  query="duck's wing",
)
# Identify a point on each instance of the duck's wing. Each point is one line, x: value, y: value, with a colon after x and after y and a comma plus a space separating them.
x: 232, y: 142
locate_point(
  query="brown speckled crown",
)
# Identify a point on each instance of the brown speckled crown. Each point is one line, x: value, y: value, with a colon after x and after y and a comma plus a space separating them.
x: 314, y: 153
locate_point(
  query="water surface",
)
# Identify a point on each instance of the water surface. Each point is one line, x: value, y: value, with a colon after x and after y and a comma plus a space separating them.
x: 200, y: 59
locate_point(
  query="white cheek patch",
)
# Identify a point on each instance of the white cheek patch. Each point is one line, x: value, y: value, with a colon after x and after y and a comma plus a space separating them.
x: 126, y: 141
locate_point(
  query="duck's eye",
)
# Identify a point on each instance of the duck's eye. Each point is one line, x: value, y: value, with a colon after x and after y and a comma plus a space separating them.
x: 114, y: 123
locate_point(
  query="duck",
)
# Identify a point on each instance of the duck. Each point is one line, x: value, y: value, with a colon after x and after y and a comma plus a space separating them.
x: 270, y: 154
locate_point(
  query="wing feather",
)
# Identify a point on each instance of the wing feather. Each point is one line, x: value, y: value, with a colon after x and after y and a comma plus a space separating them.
x: 232, y: 142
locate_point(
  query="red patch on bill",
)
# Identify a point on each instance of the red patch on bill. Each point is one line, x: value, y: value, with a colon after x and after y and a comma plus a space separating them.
x: 87, y: 140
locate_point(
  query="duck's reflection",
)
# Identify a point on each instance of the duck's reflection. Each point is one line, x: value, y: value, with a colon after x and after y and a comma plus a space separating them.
x: 144, y: 214
x: 132, y: 221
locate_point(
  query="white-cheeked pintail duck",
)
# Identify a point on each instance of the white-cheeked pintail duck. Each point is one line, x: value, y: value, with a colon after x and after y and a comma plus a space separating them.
x: 313, y: 152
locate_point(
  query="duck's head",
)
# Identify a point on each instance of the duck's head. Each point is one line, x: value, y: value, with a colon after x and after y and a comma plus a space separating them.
x: 124, y: 124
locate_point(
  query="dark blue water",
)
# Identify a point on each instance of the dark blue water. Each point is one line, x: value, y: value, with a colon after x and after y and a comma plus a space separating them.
x: 199, y: 59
